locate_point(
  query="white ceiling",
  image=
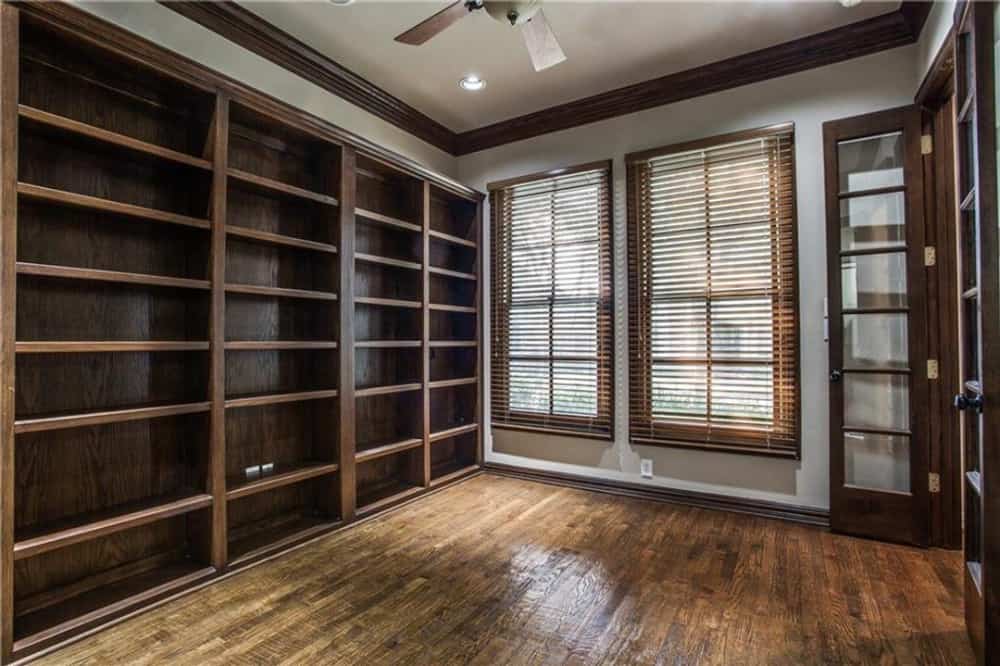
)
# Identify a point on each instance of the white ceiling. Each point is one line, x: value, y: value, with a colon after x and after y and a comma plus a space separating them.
x: 608, y: 44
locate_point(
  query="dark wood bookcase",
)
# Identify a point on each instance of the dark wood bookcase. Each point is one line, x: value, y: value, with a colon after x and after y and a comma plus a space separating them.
x: 228, y: 326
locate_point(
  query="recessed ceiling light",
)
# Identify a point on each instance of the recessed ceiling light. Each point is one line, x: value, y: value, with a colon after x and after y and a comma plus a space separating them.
x: 342, y: 3
x: 472, y: 82
x: 850, y: 3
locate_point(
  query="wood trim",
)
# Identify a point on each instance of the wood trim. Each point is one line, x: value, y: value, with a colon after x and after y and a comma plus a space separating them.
x: 551, y: 173
x: 754, y: 507
x: 880, y: 33
x: 253, y: 33
x: 938, y: 84
x: 710, y: 142
x: 345, y: 282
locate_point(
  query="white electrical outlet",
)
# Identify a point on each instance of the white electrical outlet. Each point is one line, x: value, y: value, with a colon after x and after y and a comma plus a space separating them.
x: 646, y: 467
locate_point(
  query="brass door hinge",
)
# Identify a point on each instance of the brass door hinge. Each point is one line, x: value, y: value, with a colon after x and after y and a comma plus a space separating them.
x: 926, y: 144
x: 934, y: 482
x: 932, y: 368
x: 930, y: 256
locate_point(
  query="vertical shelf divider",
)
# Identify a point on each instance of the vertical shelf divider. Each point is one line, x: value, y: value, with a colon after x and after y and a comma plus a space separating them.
x: 426, y: 332
x: 9, y: 87
x: 345, y: 399
x: 219, y: 147
x: 480, y: 294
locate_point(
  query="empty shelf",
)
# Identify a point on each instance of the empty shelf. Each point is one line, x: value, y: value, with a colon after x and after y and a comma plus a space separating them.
x: 278, y: 187
x: 241, y: 488
x: 50, y: 195
x: 93, y: 274
x: 73, y: 347
x: 77, y: 420
x: 275, y: 398
x: 279, y: 239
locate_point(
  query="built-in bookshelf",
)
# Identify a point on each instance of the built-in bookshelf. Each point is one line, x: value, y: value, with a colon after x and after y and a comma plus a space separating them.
x: 234, y: 331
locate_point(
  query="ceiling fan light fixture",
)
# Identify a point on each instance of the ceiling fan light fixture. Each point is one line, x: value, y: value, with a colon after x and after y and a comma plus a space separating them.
x: 472, y: 83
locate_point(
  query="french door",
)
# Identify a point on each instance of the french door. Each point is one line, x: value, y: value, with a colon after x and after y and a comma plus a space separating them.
x: 979, y: 319
x: 877, y: 326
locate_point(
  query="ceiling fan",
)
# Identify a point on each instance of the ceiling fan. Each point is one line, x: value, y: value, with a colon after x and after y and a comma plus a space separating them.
x: 538, y: 36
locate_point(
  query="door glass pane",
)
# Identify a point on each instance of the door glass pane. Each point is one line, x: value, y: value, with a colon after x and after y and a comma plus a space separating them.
x: 874, y: 400
x: 871, y: 162
x: 873, y: 281
x: 970, y: 269
x: 872, y: 221
x: 881, y: 462
x: 970, y: 335
x: 876, y: 341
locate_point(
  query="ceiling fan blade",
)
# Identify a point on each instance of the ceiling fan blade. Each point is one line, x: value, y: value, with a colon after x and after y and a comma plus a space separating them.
x: 427, y: 28
x: 541, y: 42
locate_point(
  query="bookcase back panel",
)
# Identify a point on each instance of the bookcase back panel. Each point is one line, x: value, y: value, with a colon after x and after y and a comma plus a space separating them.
x: 383, y: 419
x: 452, y: 215
x: 280, y: 215
x: 381, y: 281
x: 88, y: 239
x: 54, y: 309
x: 376, y: 322
x: 112, y: 380
x: 386, y: 367
x: 275, y: 266
x: 100, y: 171
x: 454, y: 257
x: 258, y: 519
x: 284, y: 435
x: 284, y: 371
x: 263, y: 318
x: 448, y: 455
x: 453, y: 406
x: 452, y: 291
x: 388, y: 192
x: 69, y: 78
x: 453, y: 325
x: 68, y: 473
x: 453, y: 363
x: 386, y: 241
x: 384, y: 477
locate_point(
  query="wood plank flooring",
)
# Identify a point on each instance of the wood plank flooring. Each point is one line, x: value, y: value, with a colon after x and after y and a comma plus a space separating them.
x: 498, y: 570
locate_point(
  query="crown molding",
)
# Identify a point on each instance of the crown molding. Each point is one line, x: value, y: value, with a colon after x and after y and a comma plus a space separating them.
x: 887, y: 31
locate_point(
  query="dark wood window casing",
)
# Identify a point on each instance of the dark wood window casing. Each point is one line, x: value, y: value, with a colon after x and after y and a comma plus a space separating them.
x: 713, y: 294
x: 551, y: 322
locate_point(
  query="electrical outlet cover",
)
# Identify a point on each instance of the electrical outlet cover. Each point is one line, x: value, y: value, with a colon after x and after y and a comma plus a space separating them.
x: 646, y: 468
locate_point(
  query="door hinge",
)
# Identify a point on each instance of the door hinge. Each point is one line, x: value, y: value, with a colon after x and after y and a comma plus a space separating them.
x: 934, y: 482
x: 926, y: 144
x: 930, y: 255
x: 932, y: 368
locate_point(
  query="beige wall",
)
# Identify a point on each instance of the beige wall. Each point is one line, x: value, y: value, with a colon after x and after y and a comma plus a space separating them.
x: 866, y: 84
x: 171, y: 30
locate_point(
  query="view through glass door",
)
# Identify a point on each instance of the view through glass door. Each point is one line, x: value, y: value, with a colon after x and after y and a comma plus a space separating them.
x: 878, y: 365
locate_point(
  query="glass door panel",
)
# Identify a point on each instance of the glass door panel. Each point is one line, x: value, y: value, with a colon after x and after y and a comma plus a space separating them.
x: 877, y: 461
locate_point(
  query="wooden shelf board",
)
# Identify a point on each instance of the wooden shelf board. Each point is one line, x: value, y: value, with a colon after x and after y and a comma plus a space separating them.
x: 445, y: 383
x: 278, y: 187
x: 267, y: 345
x: 387, y: 302
x: 280, y: 292
x: 50, y: 195
x: 279, y: 239
x: 442, y: 307
x: 97, y: 275
x: 385, y: 495
x: 96, y: 605
x: 441, y: 474
x: 385, y: 390
x: 263, y: 542
x: 435, y: 270
x: 386, y: 219
x: 440, y: 235
x: 453, y: 432
x: 82, y: 419
x: 383, y: 450
x: 387, y: 261
x: 276, y: 398
x: 82, y: 347
x: 68, y: 125
x: 387, y: 344
x: 92, y: 526
x: 453, y: 343
x: 242, y: 488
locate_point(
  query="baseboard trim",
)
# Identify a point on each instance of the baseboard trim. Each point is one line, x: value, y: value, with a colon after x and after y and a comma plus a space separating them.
x: 761, y: 508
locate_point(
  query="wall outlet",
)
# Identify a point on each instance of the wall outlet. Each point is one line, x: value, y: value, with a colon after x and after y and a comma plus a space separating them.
x: 646, y: 467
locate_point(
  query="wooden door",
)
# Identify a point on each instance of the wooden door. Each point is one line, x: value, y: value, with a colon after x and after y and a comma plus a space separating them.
x: 877, y: 326
x: 980, y: 323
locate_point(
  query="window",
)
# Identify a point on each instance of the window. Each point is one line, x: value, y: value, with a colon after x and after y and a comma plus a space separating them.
x: 713, y: 321
x: 551, y: 356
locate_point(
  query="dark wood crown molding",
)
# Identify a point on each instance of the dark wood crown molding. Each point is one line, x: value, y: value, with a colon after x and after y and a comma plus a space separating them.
x: 890, y: 30
x: 245, y: 28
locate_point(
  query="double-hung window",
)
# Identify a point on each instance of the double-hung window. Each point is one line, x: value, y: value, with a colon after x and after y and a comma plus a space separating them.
x: 551, y: 337
x: 713, y: 321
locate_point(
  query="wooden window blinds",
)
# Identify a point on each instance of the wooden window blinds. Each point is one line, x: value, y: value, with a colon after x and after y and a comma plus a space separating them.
x: 713, y: 321
x: 551, y: 322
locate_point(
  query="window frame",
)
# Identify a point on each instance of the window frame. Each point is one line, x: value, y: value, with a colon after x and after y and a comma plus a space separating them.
x: 525, y: 418
x: 640, y: 399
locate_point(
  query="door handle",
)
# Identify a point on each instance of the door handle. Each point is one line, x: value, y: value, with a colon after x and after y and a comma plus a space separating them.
x: 963, y: 402
x: 835, y: 376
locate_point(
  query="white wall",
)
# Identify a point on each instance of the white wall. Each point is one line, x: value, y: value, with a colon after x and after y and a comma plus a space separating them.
x: 932, y: 37
x: 808, y: 99
x: 172, y: 31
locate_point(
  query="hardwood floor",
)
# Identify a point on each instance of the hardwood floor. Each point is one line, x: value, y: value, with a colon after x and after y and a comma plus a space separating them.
x: 527, y: 573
